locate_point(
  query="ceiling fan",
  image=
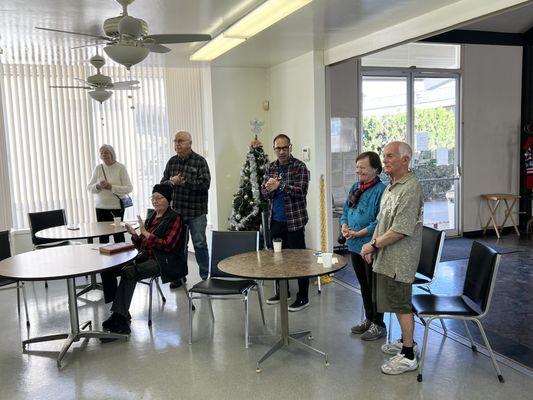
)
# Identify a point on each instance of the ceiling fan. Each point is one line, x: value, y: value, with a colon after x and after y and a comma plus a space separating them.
x: 128, y: 41
x: 100, y: 86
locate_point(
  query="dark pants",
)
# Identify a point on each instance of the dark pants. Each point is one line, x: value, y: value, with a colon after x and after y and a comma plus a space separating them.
x: 109, y: 278
x: 365, y: 276
x: 291, y: 240
x: 130, y: 275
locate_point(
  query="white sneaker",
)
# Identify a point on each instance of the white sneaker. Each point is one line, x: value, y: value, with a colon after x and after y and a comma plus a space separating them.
x: 395, y: 347
x: 399, y: 364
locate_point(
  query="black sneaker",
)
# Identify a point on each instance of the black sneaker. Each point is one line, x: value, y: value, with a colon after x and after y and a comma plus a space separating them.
x: 108, y: 323
x: 298, y: 305
x: 275, y: 299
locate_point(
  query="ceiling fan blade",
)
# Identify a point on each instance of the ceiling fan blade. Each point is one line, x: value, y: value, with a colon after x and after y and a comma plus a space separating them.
x: 179, y: 38
x: 70, y: 87
x: 74, y: 33
x: 86, y: 45
x: 125, y: 83
x: 125, y: 88
x: 156, y: 47
x: 82, y: 81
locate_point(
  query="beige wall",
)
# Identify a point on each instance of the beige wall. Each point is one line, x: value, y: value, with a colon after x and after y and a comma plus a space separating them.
x: 491, y: 91
x: 237, y: 98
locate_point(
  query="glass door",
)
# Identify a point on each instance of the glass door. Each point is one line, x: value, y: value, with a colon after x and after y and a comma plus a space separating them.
x: 435, y: 158
x: 420, y: 108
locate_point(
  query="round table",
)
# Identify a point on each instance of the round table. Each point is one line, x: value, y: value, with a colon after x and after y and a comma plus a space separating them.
x: 86, y: 230
x: 65, y: 262
x: 282, y: 266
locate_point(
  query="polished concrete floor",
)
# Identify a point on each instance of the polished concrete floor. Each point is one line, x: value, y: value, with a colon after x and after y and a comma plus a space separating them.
x: 158, y: 363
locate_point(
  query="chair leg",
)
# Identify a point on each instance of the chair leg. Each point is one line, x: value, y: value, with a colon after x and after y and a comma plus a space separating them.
x: 190, y: 317
x: 423, y: 354
x: 487, y: 345
x: 444, y: 327
x: 211, y: 308
x: 246, y: 328
x: 319, y: 285
x: 150, y: 285
x: 472, y: 344
x: 389, y: 333
x: 260, y: 298
x: 160, y: 291
x: 18, y: 298
x: 184, y: 286
x: 46, y: 284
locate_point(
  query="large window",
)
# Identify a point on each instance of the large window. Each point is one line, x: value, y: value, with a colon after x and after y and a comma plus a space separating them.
x: 53, y: 135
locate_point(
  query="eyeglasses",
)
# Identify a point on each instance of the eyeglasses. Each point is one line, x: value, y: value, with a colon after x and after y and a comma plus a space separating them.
x: 284, y: 148
x: 181, y: 141
x: 156, y: 198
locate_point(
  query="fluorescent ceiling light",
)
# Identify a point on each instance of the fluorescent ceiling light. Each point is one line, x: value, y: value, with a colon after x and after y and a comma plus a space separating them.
x: 216, y: 47
x: 262, y: 17
x: 267, y: 14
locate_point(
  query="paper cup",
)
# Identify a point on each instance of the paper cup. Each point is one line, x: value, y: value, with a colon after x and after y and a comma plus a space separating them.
x: 117, y: 221
x: 277, y: 243
x: 327, y: 259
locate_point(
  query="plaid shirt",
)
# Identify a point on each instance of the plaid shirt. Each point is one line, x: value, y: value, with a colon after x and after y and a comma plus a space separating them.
x: 189, y: 200
x: 165, y: 244
x: 294, y: 185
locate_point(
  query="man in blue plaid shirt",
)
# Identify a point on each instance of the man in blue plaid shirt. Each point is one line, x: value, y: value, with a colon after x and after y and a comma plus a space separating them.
x: 188, y: 174
x: 285, y: 186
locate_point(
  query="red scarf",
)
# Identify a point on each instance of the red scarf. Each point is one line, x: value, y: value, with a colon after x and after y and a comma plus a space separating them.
x: 363, y: 186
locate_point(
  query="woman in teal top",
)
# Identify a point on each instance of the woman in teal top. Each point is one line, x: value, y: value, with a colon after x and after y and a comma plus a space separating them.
x: 358, y: 224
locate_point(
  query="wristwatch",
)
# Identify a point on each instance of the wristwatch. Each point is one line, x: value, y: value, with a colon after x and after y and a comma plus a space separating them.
x: 373, y: 244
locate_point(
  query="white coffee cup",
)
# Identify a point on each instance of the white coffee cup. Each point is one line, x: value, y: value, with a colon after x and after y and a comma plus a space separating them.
x: 327, y: 259
x: 117, y: 221
x: 277, y: 243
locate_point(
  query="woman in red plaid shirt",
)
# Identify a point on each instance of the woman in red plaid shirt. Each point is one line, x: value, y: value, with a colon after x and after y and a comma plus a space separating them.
x: 159, y: 235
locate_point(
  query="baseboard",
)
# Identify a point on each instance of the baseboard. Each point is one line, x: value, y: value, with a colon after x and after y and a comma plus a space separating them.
x: 490, y: 232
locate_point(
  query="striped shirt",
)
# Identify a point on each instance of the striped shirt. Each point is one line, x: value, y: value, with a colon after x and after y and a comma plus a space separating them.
x: 190, y: 199
x: 294, y: 185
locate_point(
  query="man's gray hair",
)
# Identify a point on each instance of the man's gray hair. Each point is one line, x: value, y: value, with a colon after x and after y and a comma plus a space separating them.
x: 109, y: 148
x: 405, y: 150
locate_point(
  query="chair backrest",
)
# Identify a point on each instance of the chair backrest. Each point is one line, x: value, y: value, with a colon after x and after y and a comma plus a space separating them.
x: 432, y: 242
x: 230, y: 243
x: 43, y: 220
x: 5, y: 249
x: 266, y: 229
x: 480, y: 276
x: 5, y: 252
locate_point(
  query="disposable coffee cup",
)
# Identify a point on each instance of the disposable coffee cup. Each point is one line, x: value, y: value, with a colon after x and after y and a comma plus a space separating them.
x: 277, y: 245
x: 327, y: 259
x: 117, y: 221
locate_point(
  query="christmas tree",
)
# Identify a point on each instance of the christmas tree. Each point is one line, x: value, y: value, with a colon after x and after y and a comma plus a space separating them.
x: 248, y: 202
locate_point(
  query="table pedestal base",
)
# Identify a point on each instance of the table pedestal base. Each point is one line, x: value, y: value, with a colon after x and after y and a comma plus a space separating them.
x: 292, y: 338
x: 91, y: 286
x: 287, y: 337
x: 76, y: 331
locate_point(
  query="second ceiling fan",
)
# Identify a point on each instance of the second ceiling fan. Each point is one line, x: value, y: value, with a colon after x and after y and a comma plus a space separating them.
x: 128, y: 41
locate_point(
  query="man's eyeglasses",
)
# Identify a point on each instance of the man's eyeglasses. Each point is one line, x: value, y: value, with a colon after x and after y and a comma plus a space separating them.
x: 181, y: 141
x: 284, y: 148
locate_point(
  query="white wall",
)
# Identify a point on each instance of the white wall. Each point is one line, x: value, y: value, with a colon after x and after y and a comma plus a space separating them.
x: 491, y: 89
x: 237, y: 98
x: 297, y: 102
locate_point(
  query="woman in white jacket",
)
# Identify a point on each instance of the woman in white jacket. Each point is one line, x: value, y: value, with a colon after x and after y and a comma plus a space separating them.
x: 109, y: 181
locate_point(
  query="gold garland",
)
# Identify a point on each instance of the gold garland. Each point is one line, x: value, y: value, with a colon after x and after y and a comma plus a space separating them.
x: 326, y: 278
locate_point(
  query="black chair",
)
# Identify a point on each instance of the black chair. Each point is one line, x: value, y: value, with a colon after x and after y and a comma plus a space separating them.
x: 44, y: 220
x: 472, y: 305
x: 7, y: 283
x: 430, y: 253
x: 218, y: 286
x: 179, y: 263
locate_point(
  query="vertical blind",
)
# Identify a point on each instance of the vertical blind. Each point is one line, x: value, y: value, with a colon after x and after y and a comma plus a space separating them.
x: 52, y: 136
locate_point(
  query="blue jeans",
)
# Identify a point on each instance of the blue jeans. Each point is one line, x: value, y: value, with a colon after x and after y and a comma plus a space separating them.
x: 197, y: 226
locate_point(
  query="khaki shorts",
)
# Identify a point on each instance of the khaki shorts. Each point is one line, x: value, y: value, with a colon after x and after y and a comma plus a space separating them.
x: 391, y: 295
